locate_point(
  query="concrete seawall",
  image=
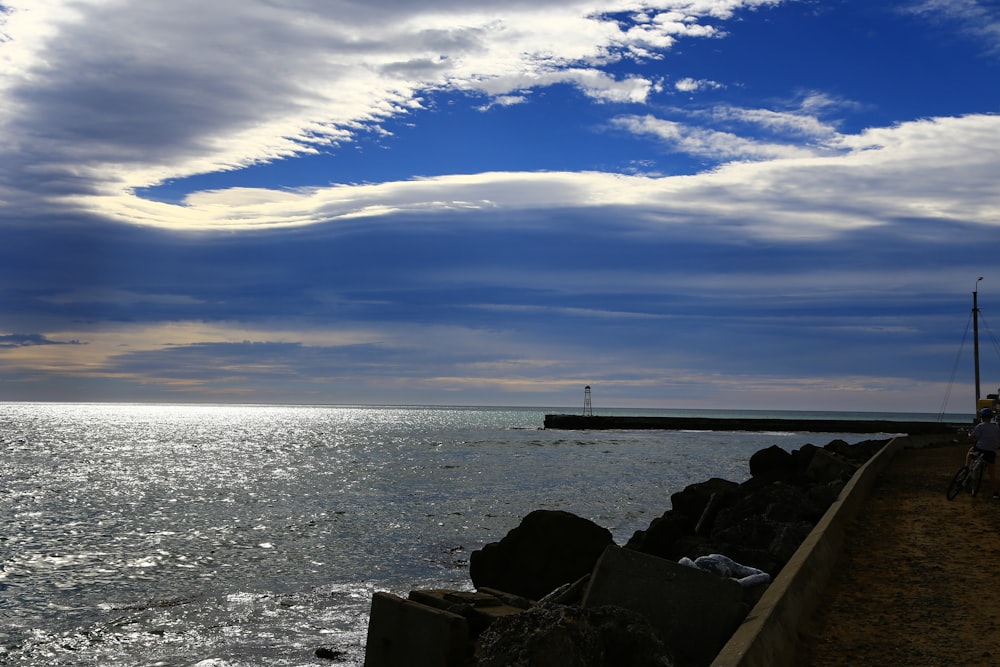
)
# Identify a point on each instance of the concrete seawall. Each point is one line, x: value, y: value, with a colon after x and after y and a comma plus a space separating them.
x: 768, y: 635
x: 591, y: 423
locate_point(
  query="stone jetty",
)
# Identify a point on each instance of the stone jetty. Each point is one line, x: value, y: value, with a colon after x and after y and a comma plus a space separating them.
x: 556, y: 590
x: 608, y: 422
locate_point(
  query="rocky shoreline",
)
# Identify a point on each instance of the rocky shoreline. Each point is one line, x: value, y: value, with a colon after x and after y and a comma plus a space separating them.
x: 558, y: 590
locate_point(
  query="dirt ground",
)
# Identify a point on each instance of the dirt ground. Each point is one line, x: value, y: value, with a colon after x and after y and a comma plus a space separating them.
x: 917, y: 582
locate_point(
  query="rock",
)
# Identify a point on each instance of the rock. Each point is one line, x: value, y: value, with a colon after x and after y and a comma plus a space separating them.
x: 691, y: 502
x: 747, y: 529
x: 660, y: 538
x: 824, y: 495
x: 859, y: 452
x: 748, y: 541
x: 787, y: 539
x: 801, y: 458
x: 325, y: 653
x: 777, y: 501
x: 764, y: 528
x: 548, y: 549
x: 715, y: 503
x: 762, y: 521
x: 567, y: 593
x: 840, y: 447
x: 825, y: 467
x: 772, y: 463
x: 691, y: 546
x: 572, y: 637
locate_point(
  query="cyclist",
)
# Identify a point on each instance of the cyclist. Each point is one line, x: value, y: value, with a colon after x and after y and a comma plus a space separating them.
x: 986, y: 436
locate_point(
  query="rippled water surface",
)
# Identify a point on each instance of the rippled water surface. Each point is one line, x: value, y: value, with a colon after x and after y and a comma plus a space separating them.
x: 253, y: 535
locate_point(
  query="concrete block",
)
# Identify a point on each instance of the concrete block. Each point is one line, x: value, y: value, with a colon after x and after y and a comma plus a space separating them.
x: 457, y: 602
x: 693, y: 612
x: 405, y: 633
x: 478, y: 609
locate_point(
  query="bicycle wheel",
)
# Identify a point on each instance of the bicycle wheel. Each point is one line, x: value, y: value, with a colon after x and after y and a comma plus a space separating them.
x: 958, y: 482
x: 977, y: 477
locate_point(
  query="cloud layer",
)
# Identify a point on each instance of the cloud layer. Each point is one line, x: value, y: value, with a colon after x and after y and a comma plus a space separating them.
x: 714, y: 230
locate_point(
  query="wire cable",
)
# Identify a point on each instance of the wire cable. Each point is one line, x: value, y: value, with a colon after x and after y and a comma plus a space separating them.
x: 954, y: 370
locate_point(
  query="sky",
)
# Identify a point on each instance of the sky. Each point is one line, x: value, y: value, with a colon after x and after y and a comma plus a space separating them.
x: 735, y: 204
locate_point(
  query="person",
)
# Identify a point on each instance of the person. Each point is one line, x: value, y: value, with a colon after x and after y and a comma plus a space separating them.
x: 986, y: 439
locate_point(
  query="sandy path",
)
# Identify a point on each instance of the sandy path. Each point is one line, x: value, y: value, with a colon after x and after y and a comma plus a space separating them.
x: 916, y: 584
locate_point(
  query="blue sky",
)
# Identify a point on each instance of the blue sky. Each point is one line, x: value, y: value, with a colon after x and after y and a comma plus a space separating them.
x: 761, y: 204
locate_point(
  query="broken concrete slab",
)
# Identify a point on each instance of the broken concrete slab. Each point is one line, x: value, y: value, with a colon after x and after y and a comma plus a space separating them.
x: 405, y: 633
x: 694, y: 612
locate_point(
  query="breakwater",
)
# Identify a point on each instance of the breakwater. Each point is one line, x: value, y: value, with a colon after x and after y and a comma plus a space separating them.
x: 549, y: 586
x: 601, y: 422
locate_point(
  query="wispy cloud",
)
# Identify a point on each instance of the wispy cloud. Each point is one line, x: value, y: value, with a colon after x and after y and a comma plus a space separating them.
x: 31, y: 340
x: 714, y: 144
x: 980, y: 18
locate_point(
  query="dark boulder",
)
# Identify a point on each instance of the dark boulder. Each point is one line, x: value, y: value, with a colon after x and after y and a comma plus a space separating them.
x: 548, y: 549
x: 826, y: 467
x: 756, y: 522
x: 841, y: 448
x: 802, y: 456
x: 776, y: 501
x: 747, y: 542
x: 572, y: 637
x: 859, y: 452
x: 772, y: 463
x: 825, y: 494
x: 662, y: 534
x: 764, y: 527
x: 692, y: 546
x: 325, y: 653
x: 787, y: 539
x: 692, y: 501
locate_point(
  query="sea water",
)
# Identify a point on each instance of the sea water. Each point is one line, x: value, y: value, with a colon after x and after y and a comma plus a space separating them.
x: 223, y: 536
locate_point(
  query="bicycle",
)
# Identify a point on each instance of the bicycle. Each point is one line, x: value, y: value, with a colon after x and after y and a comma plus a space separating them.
x: 968, y: 478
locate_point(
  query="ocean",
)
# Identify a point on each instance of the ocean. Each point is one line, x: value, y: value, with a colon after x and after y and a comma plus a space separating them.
x: 226, y: 536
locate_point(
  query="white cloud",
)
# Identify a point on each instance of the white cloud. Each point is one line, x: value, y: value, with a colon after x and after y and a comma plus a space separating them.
x: 592, y: 82
x: 504, y: 101
x: 715, y: 144
x: 796, y: 124
x: 689, y: 85
x: 931, y: 170
x: 103, y: 96
x: 727, y: 133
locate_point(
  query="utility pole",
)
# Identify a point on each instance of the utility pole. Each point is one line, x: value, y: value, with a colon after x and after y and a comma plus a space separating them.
x: 975, y: 334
